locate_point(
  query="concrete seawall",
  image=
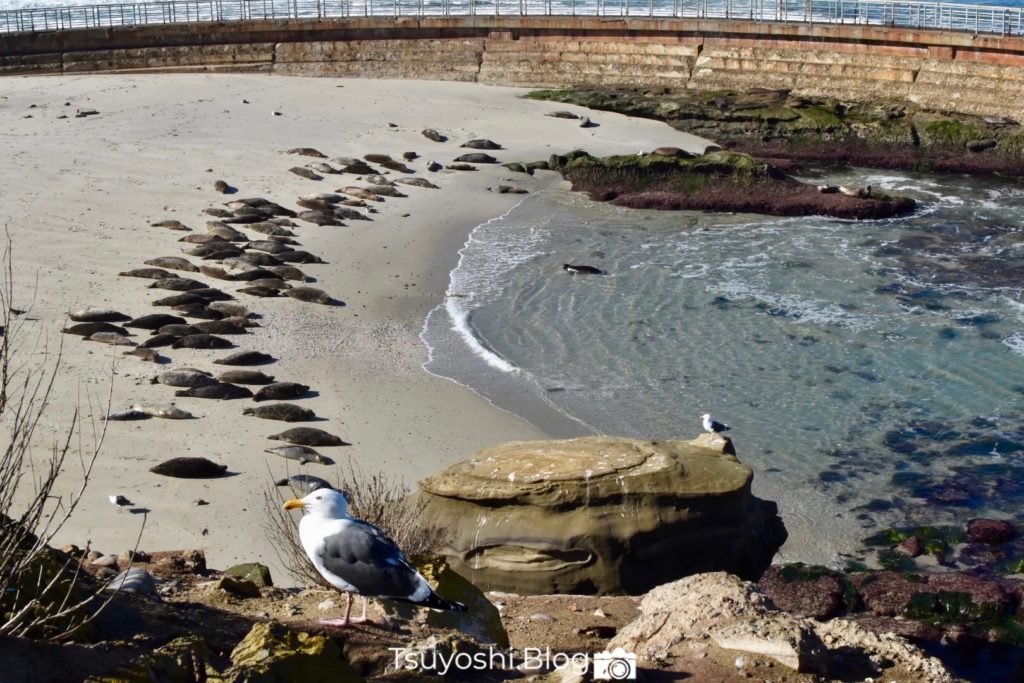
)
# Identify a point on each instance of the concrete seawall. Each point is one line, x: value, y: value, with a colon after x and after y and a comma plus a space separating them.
x: 951, y: 71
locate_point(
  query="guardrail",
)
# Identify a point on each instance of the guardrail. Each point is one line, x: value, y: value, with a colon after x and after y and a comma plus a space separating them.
x: 976, y: 19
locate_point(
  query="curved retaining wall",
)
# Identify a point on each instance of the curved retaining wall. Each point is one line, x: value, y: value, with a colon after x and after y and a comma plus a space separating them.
x: 943, y: 70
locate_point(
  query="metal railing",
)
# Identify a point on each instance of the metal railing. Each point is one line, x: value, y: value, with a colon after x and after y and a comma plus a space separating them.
x: 976, y: 19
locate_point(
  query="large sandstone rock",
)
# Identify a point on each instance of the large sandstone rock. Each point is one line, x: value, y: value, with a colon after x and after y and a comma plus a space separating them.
x: 272, y: 653
x: 602, y: 515
x: 718, y: 627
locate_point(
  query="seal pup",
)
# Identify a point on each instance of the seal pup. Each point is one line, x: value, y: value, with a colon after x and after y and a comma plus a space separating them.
x: 219, y: 390
x: 285, y: 412
x: 309, y: 436
x: 172, y: 262
x: 281, y: 391
x: 580, y: 269
x: 311, y: 295
x: 189, y: 468
x: 304, y: 454
x: 98, y: 315
x: 87, y: 329
x: 246, y: 358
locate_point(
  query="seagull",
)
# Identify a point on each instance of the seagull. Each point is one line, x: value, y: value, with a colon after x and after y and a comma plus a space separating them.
x: 119, y: 500
x: 356, y: 557
x: 711, y: 425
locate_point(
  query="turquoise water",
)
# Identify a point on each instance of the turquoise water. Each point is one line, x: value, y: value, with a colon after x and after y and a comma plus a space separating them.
x: 872, y: 371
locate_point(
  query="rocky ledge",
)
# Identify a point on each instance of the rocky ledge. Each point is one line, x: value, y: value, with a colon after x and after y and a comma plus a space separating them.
x: 602, y: 515
x: 715, y: 181
x: 784, y: 128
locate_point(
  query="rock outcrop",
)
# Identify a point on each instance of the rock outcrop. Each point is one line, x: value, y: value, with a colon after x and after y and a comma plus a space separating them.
x: 718, y: 627
x: 714, y: 181
x: 602, y: 515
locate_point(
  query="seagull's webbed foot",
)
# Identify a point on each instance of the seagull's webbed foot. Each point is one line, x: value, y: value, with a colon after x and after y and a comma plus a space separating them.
x: 341, y: 623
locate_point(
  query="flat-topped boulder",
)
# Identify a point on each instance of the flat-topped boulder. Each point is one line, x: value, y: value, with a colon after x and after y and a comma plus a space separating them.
x: 602, y: 515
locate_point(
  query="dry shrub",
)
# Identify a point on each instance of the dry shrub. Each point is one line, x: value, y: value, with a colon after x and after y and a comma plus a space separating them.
x: 383, y: 500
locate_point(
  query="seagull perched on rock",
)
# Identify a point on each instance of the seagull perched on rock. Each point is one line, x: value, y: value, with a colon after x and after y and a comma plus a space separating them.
x: 356, y: 557
x: 712, y: 426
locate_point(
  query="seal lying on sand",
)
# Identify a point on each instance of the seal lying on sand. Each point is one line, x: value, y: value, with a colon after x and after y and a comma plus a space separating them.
x: 303, y: 454
x: 245, y: 377
x: 285, y: 412
x: 216, y: 391
x: 151, y: 273
x: 202, y: 341
x: 312, y: 295
x: 184, y: 377
x: 308, y: 436
x: 98, y: 315
x: 168, y: 411
x: 86, y: 329
x: 155, y: 321
x: 246, y: 358
x: 172, y: 262
x: 112, y: 338
x: 146, y: 354
x: 189, y: 468
x: 304, y: 483
x: 281, y: 391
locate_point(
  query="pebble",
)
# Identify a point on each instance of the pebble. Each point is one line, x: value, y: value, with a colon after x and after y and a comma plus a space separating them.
x: 540, y: 616
x: 105, y: 561
x: 741, y: 662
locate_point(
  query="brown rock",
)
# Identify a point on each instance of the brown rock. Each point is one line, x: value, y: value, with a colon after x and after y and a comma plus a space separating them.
x: 911, y: 546
x: 990, y: 531
x: 602, y: 514
x: 801, y: 591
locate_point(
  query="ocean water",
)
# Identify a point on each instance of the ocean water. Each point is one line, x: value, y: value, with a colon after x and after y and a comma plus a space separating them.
x: 873, y: 372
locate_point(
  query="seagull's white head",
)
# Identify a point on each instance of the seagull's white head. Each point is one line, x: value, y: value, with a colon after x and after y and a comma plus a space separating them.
x: 706, y: 416
x: 326, y: 503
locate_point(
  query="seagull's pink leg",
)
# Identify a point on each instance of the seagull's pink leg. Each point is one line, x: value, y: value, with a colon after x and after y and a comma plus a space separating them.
x: 342, y: 623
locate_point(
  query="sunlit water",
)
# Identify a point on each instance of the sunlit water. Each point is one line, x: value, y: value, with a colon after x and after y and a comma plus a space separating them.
x: 872, y: 371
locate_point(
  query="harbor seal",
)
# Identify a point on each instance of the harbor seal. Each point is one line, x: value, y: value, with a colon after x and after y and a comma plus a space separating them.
x: 268, y: 246
x: 299, y: 256
x: 160, y: 339
x: 202, y: 341
x: 322, y: 167
x: 387, y: 191
x: 481, y: 143
x: 180, y: 300
x: 171, y: 225
x: 304, y: 484
x: 98, y: 315
x: 223, y: 326
x: 177, y: 284
x: 155, y: 321
x: 217, y: 212
x: 189, y: 468
x: 87, y: 329
x: 224, y: 188
x: 319, y: 218
x: 205, y: 240
x: 396, y: 166
x: 431, y: 134
x: 172, y: 262
x: 281, y: 391
x: 306, y: 173
x: 184, y: 377
x: 460, y: 167
x: 221, y: 254
x: 216, y: 272
x: 311, y: 295
x: 308, y: 436
x: 418, y: 182
x: 112, y: 338
x: 230, y: 309
x: 288, y: 273
x: 580, y: 269
x: 285, y: 412
x: 179, y: 330
x: 476, y: 158
x: 167, y: 411
x: 259, y: 259
x: 270, y: 283
x: 246, y: 358
x: 245, y: 377
x: 304, y: 454
x: 308, y: 152
x: 350, y: 214
x: 151, y: 273
x: 128, y: 414
x: 146, y: 354
x: 220, y: 390
x: 361, y: 193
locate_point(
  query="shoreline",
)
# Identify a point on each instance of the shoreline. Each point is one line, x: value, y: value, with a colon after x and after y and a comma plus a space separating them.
x: 94, y: 185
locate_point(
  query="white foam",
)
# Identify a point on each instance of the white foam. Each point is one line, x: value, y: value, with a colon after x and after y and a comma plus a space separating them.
x: 1015, y: 342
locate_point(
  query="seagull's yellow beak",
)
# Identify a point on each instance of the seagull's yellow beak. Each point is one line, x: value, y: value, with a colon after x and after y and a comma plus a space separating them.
x: 293, y: 503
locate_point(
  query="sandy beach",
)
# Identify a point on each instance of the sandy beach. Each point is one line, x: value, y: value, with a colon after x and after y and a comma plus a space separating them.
x: 78, y: 195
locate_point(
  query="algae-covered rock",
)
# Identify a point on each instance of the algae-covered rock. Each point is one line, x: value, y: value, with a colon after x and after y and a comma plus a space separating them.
x: 183, y: 660
x: 601, y: 515
x: 240, y: 588
x: 271, y: 653
x: 258, y: 573
x: 481, y: 620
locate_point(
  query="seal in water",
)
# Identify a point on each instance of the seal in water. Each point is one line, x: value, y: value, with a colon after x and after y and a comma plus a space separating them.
x: 189, y: 468
x: 202, y: 341
x: 312, y: 295
x: 303, y: 454
x: 98, y: 315
x: 304, y: 483
x: 309, y: 436
x: 245, y: 377
x: 86, y: 329
x: 172, y: 262
x: 580, y: 269
x: 168, y: 411
x: 281, y: 391
x: 185, y: 377
x: 155, y: 321
x: 281, y: 411
x: 218, y: 391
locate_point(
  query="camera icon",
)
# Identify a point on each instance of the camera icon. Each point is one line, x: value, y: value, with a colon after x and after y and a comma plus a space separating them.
x: 617, y: 665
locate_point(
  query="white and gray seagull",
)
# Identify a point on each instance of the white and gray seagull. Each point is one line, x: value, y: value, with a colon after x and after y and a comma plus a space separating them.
x: 356, y: 557
x: 712, y: 426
